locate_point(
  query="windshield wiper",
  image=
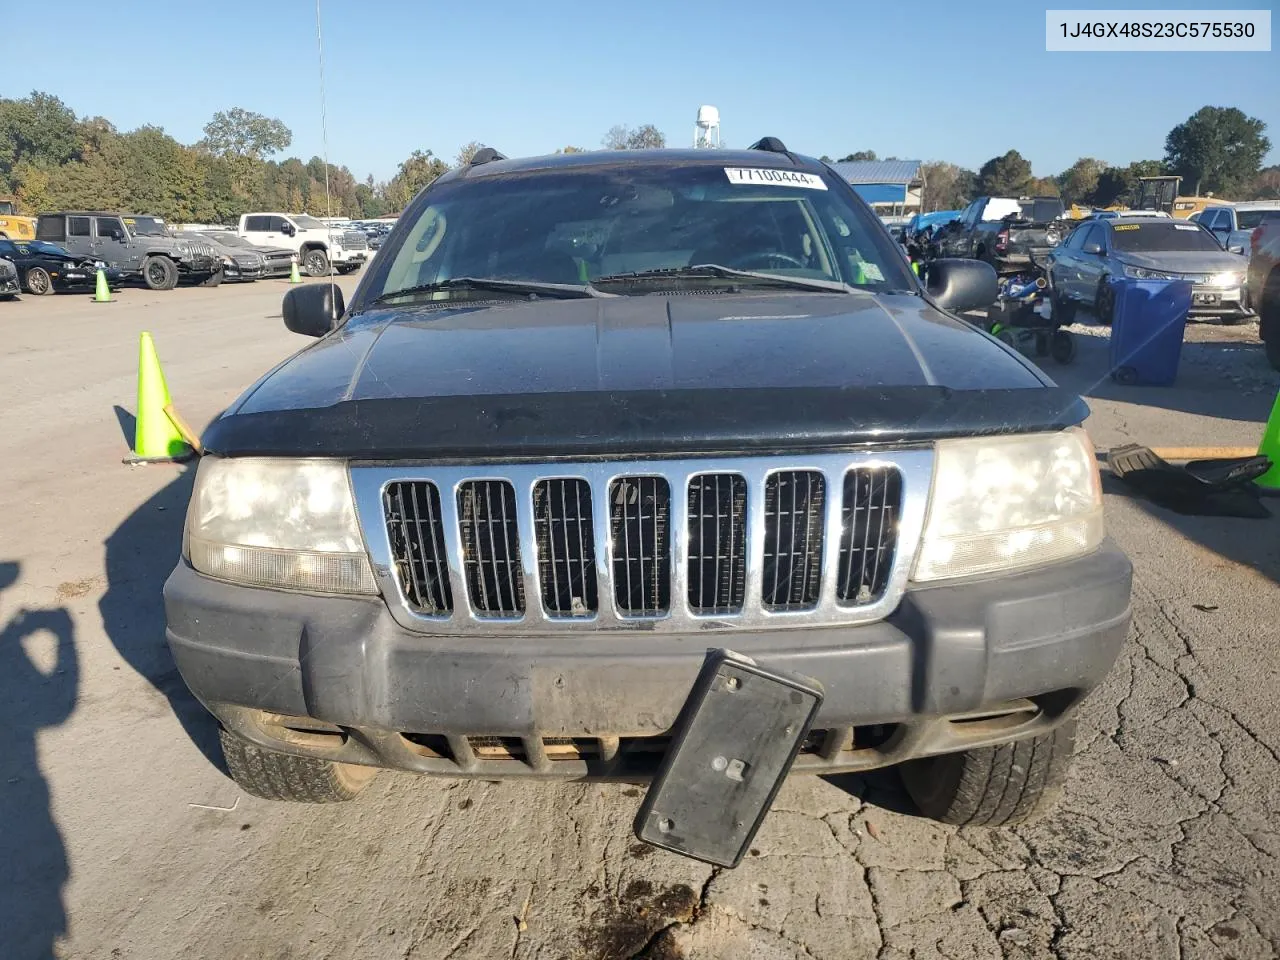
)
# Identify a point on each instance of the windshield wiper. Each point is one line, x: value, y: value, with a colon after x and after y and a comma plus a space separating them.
x: 714, y: 271
x: 518, y: 289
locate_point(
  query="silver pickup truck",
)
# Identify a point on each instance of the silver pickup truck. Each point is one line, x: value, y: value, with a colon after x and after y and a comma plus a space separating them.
x: 1233, y: 225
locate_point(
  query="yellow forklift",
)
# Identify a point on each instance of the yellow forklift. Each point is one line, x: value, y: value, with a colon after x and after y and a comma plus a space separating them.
x: 1161, y: 193
x: 13, y: 226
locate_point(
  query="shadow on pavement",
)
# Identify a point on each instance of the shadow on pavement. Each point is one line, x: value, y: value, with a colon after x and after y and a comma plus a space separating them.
x: 140, y: 555
x: 1225, y: 379
x: 38, y: 690
x: 880, y: 788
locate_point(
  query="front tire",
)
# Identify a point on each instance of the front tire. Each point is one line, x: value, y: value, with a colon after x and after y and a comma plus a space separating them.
x: 1104, y: 303
x: 991, y: 786
x: 159, y: 273
x: 39, y: 283
x: 316, y: 263
x: 282, y: 776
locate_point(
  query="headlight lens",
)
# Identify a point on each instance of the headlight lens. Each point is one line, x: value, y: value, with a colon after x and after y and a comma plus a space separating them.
x: 1141, y: 273
x: 1005, y: 502
x: 1226, y: 280
x: 278, y: 523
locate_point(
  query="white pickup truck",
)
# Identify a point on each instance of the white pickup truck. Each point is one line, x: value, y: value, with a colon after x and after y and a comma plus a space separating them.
x: 1234, y: 224
x: 320, y: 247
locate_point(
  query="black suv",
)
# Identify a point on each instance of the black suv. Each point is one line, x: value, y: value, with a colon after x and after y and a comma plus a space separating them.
x: 590, y: 415
x: 139, y: 247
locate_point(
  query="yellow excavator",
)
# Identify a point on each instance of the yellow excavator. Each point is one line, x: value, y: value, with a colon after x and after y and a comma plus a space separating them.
x: 13, y: 226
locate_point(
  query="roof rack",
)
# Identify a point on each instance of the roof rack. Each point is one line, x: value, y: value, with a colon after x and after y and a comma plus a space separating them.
x: 485, y: 155
x: 772, y: 144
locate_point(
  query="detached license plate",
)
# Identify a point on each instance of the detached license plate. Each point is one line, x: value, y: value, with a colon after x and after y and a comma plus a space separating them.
x: 734, y: 743
x: 1207, y: 298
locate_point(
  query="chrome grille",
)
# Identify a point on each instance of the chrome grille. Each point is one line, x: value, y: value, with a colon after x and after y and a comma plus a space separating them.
x: 354, y: 240
x: 717, y: 543
x: 416, y: 532
x: 639, y: 525
x: 869, y: 533
x: 566, y: 547
x: 794, y: 515
x: 785, y: 541
x: 491, y: 547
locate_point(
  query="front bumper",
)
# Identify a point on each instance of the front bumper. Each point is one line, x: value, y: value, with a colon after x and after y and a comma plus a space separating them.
x: 199, y: 265
x: 955, y: 666
x: 1209, y: 301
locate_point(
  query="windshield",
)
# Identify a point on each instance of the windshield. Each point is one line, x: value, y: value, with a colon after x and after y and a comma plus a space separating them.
x: 146, y: 226
x: 1041, y: 208
x: 7, y: 208
x: 579, y: 225
x: 1251, y: 219
x: 309, y: 223
x: 1162, y: 236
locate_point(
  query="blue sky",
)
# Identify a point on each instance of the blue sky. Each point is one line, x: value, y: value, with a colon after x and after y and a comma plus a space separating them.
x: 919, y: 79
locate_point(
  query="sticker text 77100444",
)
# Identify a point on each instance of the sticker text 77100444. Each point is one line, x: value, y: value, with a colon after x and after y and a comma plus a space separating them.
x: 772, y: 177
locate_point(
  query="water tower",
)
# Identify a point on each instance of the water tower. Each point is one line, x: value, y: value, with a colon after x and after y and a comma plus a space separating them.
x: 706, y: 132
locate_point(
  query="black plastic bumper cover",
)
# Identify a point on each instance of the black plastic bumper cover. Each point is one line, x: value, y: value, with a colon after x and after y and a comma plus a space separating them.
x: 947, y: 649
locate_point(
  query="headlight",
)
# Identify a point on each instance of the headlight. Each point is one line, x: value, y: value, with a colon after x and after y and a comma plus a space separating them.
x: 277, y: 523
x: 1140, y: 273
x: 1004, y: 502
x: 228, y: 262
x: 182, y: 247
x: 1226, y: 280
x: 100, y: 264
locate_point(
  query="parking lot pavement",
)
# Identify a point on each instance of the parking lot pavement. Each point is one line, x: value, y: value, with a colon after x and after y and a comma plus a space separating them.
x: 120, y: 838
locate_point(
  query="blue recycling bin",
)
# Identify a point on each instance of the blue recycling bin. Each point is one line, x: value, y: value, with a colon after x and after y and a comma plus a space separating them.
x: 1147, y: 328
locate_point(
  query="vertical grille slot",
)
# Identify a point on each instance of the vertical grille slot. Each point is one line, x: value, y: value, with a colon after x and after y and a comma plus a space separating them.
x: 639, y: 522
x: 566, y: 553
x: 412, y: 511
x: 794, y: 514
x: 869, y: 533
x: 717, y: 543
x: 491, y: 547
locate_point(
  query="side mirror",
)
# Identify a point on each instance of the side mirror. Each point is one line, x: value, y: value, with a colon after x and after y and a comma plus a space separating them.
x: 1235, y: 248
x: 1094, y: 248
x: 962, y: 284
x: 287, y: 229
x: 313, y: 310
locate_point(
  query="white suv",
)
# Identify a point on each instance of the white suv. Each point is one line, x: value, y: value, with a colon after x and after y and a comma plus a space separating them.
x: 319, y: 246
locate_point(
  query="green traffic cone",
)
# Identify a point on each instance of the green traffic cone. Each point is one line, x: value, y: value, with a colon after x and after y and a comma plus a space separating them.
x: 293, y: 273
x: 156, y: 437
x: 859, y: 274
x: 1270, y: 447
x: 102, y: 292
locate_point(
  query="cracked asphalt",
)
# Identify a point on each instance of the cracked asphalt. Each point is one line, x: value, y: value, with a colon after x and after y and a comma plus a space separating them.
x: 121, y: 838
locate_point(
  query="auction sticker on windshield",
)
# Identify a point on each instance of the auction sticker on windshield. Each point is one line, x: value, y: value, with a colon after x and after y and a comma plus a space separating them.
x: 777, y: 178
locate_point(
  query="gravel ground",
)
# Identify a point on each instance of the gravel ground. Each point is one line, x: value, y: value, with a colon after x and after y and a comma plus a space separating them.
x: 121, y: 838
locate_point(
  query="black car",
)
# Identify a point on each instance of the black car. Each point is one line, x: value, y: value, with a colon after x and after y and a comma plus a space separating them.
x: 44, y: 267
x: 590, y: 415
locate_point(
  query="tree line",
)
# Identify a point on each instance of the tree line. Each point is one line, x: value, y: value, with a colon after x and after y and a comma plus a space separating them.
x: 51, y: 159
x: 1216, y: 150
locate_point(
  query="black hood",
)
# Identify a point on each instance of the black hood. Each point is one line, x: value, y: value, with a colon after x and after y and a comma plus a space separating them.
x: 646, y: 374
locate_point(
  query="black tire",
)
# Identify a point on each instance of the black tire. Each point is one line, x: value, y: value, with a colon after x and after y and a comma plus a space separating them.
x: 214, y: 279
x: 1012, y: 783
x: 1104, y: 303
x: 281, y: 776
x: 1125, y: 375
x: 316, y: 263
x: 38, y: 282
x: 1062, y: 346
x: 159, y: 273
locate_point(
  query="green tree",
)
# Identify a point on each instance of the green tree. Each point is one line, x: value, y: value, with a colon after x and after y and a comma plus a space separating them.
x: 947, y: 186
x: 246, y: 134
x: 1007, y: 175
x: 417, y: 171
x: 38, y: 129
x: 466, y: 152
x: 1117, y: 184
x: 1080, y: 179
x: 860, y: 155
x: 644, y: 137
x: 1217, y: 149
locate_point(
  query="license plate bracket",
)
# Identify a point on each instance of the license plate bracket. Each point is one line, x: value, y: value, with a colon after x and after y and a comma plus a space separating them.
x: 733, y: 745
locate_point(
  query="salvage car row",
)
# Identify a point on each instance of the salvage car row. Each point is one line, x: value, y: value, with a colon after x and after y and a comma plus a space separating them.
x: 71, y: 248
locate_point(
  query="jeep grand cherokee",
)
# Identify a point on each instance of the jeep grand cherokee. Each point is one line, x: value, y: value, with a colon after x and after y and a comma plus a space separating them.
x: 590, y: 415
